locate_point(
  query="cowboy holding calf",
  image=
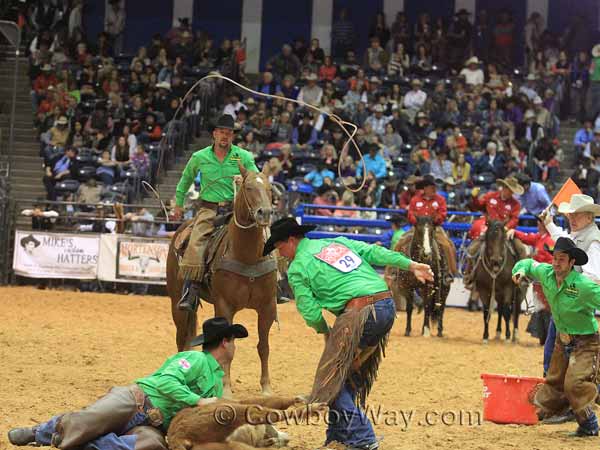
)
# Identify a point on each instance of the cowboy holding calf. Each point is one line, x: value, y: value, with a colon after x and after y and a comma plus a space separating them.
x: 217, y: 165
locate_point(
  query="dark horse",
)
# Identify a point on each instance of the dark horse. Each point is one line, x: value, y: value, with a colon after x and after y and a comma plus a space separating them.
x: 242, y: 278
x: 492, y: 278
x: 423, y: 248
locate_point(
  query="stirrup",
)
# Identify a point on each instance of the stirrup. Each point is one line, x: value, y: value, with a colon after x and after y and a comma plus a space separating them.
x: 189, y: 298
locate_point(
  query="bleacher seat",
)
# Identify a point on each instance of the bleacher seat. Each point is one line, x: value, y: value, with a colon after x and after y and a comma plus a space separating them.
x: 66, y: 187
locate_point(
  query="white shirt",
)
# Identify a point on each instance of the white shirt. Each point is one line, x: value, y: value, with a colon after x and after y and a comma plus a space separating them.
x: 592, y: 268
x: 415, y: 99
x: 378, y: 124
x: 473, y: 77
x: 232, y: 109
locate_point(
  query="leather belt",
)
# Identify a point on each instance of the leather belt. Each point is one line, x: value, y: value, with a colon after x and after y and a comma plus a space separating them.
x: 569, y: 339
x: 361, y: 302
x: 214, y: 205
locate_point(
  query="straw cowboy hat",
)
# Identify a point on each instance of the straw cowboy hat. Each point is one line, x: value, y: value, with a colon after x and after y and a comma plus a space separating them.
x: 596, y: 51
x: 579, y: 203
x: 511, y: 184
x: 449, y: 181
x: 416, y: 82
x: 529, y: 114
x: 473, y: 60
x: 411, y: 180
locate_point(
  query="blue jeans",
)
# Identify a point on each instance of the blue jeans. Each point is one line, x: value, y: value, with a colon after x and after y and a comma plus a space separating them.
x: 549, y: 345
x: 347, y: 423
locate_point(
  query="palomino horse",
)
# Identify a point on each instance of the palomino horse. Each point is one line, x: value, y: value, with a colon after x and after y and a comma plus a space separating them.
x: 423, y: 248
x: 242, y: 277
x: 492, y: 278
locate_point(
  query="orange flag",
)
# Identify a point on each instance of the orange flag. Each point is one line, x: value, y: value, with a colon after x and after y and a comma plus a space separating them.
x: 566, y: 191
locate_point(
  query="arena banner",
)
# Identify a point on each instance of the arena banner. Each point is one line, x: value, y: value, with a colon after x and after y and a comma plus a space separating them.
x: 131, y: 259
x: 56, y: 255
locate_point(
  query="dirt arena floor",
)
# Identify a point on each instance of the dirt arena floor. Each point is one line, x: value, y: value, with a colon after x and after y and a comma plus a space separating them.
x: 60, y: 350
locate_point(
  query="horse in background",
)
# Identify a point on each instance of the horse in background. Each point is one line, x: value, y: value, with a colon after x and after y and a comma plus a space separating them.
x: 423, y: 248
x: 492, y: 277
x: 239, y: 276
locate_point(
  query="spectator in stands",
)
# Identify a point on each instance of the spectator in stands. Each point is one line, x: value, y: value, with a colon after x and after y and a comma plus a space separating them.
x: 374, y: 162
x: 311, y: 93
x: 151, y: 131
x: 580, y: 79
x: 89, y: 193
x: 328, y: 70
x: 121, y: 152
x: 326, y: 195
x: 441, y: 167
x: 472, y: 73
x: 274, y: 170
x: 347, y: 201
x: 285, y: 63
x: 421, y: 61
x: 409, y: 191
x: 399, y: 62
x: 317, y: 176
x: 316, y: 51
x: 587, y: 177
x: 460, y: 35
x: 58, y: 135
x: 342, y: 34
x: 380, y: 30
x: 107, y: 170
x: 491, y: 161
x: 304, y: 136
x: 592, y: 148
x: 542, y: 115
x: 392, y: 140
x: 530, y: 87
x: 66, y: 167
x: 583, y: 136
x: 461, y: 170
x: 378, y: 121
x: 535, y: 198
x: 376, y: 58
x: 251, y: 144
x: 504, y: 32
x: 415, y: 98
x: 288, y: 88
x: 114, y: 24
x: 140, y: 162
x: 329, y: 157
x: 282, y: 129
x: 529, y: 130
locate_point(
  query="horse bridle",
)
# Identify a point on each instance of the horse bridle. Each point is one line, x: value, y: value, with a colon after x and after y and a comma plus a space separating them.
x: 251, y: 211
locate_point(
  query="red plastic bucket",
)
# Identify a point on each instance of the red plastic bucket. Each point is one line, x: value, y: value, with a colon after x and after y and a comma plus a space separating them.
x: 506, y: 398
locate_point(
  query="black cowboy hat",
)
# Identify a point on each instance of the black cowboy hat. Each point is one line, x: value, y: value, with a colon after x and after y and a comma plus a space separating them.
x: 427, y: 180
x: 217, y: 329
x: 523, y: 178
x: 225, y: 121
x: 566, y: 245
x: 29, y: 238
x: 462, y: 12
x: 283, y: 229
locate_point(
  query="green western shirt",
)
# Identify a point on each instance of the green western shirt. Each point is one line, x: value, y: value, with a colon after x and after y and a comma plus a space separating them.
x: 318, y: 284
x: 396, y: 237
x: 211, y: 169
x: 181, y: 381
x: 572, y: 304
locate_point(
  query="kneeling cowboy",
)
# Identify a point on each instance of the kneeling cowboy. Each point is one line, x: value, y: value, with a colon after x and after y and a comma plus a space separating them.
x: 497, y: 205
x: 573, y: 298
x: 217, y: 165
x: 427, y: 202
x: 336, y: 275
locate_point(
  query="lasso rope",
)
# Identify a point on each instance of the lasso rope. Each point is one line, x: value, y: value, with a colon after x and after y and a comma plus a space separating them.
x: 334, y: 117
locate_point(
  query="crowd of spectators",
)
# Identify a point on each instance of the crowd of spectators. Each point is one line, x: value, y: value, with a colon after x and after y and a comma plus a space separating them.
x: 446, y: 98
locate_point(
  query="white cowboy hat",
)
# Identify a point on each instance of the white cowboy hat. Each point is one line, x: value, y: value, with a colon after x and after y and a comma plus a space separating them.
x: 579, y: 203
x: 596, y: 51
x: 473, y: 60
x: 164, y: 85
x: 311, y: 77
x: 378, y: 108
x: 537, y: 100
x: 531, y: 77
x: 529, y: 114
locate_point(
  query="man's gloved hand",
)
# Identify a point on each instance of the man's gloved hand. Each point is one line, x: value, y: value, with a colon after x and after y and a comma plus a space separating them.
x: 546, y: 217
x: 475, y: 191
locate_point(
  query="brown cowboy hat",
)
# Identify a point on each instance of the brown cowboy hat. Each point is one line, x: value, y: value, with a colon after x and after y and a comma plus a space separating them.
x: 512, y: 184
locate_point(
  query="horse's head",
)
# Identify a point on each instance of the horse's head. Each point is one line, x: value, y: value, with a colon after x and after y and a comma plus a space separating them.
x: 424, y: 234
x: 495, y: 239
x: 254, y: 200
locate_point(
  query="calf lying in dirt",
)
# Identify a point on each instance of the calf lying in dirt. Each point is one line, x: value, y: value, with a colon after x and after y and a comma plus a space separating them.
x: 236, y: 424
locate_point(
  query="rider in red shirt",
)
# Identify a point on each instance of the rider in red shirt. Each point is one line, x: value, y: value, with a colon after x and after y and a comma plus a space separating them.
x: 427, y: 202
x: 497, y: 205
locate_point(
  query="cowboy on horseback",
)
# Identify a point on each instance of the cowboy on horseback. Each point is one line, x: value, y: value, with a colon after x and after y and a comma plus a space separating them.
x: 427, y: 202
x: 498, y: 205
x: 217, y: 164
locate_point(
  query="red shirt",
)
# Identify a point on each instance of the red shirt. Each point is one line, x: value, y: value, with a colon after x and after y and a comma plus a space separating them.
x: 478, y: 227
x: 434, y: 207
x: 538, y: 241
x: 405, y: 199
x: 327, y: 73
x: 498, y: 209
x: 42, y: 82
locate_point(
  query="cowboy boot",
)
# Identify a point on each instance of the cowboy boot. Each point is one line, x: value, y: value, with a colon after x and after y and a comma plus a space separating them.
x: 190, y: 296
x: 21, y: 436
